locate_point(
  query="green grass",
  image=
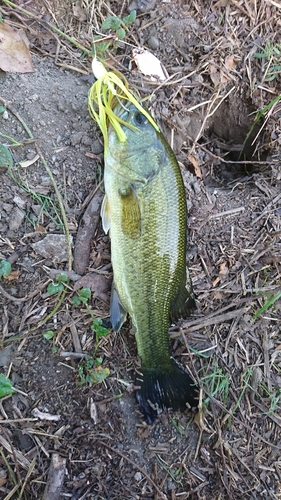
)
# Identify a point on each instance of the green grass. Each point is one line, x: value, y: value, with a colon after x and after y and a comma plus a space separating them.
x: 49, y: 207
x: 269, y: 302
x: 216, y: 382
x: 176, y: 474
x: 270, y: 57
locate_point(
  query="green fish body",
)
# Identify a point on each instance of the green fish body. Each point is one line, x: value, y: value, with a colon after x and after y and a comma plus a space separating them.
x: 144, y: 210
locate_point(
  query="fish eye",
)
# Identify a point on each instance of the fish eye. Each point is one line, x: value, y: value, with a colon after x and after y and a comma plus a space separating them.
x: 140, y: 119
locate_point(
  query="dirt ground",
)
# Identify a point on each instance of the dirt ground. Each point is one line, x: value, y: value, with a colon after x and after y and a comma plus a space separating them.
x: 232, y: 173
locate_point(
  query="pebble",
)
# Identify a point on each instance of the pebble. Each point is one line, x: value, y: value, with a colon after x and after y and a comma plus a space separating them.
x: 153, y: 42
x: 5, y: 355
x: 142, y: 5
x: 76, y: 138
x: 16, y: 219
x: 138, y: 476
x: 53, y: 247
x: 19, y: 201
x: 7, y: 207
x: 96, y: 147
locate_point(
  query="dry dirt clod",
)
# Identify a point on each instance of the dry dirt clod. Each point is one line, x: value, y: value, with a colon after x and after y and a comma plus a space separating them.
x: 53, y: 247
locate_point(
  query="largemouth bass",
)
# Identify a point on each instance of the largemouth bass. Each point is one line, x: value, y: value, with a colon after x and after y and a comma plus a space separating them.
x: 144, y: 210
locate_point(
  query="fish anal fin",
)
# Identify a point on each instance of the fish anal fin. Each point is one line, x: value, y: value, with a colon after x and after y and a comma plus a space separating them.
x: 118, y: 312
x: 184, y: 301
x: 105, y: 214
x: 130, y: 213
x: 165, y: 387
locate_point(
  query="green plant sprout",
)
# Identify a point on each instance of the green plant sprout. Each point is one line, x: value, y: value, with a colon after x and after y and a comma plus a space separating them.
x: 270, y: 56
x: 111, y: 23
x: 118, y: 24
x: 6, y: 386
x: 58, y: 284
x: 5, y: 268
x: 6, y: 159
x: 90, y: 369
x: 51, y: 335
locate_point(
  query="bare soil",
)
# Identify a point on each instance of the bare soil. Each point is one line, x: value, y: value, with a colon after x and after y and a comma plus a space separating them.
x: 232, y: 175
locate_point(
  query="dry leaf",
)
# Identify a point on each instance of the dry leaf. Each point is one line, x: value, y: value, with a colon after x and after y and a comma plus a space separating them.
x: 229, y: 62
x: 222, y: 3
x: 216, y: 281
x: 149, y: 65
x: 3, y: 477
x: 12, y: 276
x: 40, y: 189
x: 223, y: 272
x: 40, y: 229
x: 98, y: 283
x: 45, y: 416
x: 216, y: 75
x: 194, y: 163
x: 14, y: 54
x: 80, y: 13
x: 27, y: 163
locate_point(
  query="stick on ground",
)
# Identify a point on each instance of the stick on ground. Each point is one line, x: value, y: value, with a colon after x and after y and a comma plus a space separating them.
x: 55, y: 478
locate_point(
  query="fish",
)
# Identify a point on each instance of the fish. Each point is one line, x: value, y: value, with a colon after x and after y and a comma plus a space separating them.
x: 144, y: 210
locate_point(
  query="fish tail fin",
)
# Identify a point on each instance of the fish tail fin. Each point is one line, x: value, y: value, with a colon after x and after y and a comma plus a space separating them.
x: 165, y: 387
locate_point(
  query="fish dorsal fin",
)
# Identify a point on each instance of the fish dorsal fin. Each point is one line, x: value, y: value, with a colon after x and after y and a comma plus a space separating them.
x: 130, y: 213
x: 105, y: 214
x: 184, y: 300
x: 118, y: 312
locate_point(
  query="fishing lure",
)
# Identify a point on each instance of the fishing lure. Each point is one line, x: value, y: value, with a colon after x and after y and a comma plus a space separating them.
x: 110, y: 88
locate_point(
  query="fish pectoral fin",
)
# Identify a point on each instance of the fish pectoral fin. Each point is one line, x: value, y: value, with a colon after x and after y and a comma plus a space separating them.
x: 118, y: 312
x: 130, y: 213
x: 184, y: 301
x: 105, y: 214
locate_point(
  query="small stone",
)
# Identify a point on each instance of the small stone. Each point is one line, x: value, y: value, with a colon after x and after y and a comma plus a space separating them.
x: 7, y: 207
x: 76, y: 138
x: 96, y: 147
x: 142, y: 5
x: 16, y: 219
x: 6, y: 355
x: 138, y: 476
x: 153, y: 42
x: 19, y: 201
x: 30, y: 154
x: 133, y: 6
x: 53, y: 246
x: 36, y: 209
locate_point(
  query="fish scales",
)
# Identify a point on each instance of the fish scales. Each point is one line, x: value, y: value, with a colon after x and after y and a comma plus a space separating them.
x: 145, y: 212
